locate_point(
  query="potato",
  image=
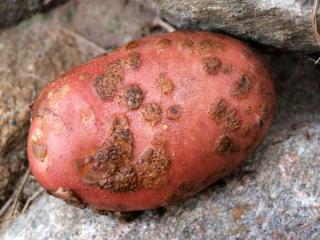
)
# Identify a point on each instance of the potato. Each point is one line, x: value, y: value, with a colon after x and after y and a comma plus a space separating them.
x: 151, y: 123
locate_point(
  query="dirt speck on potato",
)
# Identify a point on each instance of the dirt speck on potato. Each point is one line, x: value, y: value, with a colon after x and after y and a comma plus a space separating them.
x: 133, y: 97
x: 241, y: 88
x: 152, y: 113
x: 211, y: 65
x: 69, y: 197
x: 165, y: 84
x: 133, y: 61
x: 223, y: 145
x: 132, y: 45
x: 164, y: 43
x: 174, y: 112
x: 39, y: 150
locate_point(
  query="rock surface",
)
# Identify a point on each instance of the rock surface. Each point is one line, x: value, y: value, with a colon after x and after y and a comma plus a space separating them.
x: 284, y: 24
x: 275, y: 194
x: 32, y: 54
x: 12, y: 12
x: 108, y: 23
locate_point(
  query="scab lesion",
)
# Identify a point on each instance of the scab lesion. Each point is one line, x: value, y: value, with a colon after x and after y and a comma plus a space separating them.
x: 133, y: 97
x: 241, y: 87
x: 165, y: 84
x: 152, y: 113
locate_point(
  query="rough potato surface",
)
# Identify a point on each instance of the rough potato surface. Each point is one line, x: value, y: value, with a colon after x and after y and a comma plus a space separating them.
x: 151, y: 123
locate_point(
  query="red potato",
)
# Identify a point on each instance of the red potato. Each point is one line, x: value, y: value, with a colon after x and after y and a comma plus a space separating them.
x: 151, y: 123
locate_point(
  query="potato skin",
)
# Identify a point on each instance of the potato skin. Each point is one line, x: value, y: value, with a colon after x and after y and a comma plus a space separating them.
x: 150, y: 123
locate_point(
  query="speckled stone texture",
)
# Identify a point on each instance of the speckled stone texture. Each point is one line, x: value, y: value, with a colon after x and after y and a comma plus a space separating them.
x: 275, y: 195
x: 285, y: 24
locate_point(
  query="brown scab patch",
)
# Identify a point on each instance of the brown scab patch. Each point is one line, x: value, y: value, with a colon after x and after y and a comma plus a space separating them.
x: 187, y: 44
x: 241, y: 88
x: 132, y: 45
x: 69, y: 197
x: 207, y: 46
x: 223, y: 145
x: 39, y: 150
x: 125, y: 180
x: 165, y: 84
x: 110, y: 167
x: 133, y: 97
x: 154, y: 163
x: 164, y: 43
x: 232, y: 120
x: 174, y: 112
x: 133, y: 61
x: 211, y: 65
x: 152, y: 113
x: 106, y: 84
x: 227, y: 68
x: 218, y: 110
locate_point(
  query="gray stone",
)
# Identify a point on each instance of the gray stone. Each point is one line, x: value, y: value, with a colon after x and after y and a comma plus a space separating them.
x: 108, y: 23
x: 274, y: 195
x: 13, y: 11
x: 284, y: 24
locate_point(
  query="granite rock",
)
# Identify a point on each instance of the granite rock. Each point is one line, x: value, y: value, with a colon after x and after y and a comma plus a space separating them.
x: 284, y: 24
x: 274, y: 195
